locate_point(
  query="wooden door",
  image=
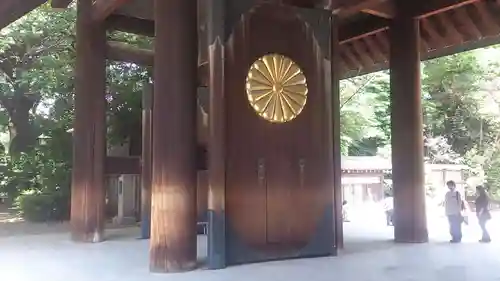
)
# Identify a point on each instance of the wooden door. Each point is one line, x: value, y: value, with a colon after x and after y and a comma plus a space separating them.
x: 278, y: 174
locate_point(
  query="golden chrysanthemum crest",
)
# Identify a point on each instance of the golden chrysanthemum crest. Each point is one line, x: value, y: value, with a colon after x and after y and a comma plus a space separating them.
x: 276, y: 88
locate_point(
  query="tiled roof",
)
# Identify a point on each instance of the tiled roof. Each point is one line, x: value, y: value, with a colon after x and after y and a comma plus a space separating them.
x: 365, y: 163
x: 376, y: 163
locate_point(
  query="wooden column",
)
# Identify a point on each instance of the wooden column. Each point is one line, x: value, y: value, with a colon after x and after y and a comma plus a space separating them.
x: 89, y: 139
x: 410, y: 224
x: 146, y: 171
x: 337, y: 192
x: 173, y: 212
x: 216, y: 138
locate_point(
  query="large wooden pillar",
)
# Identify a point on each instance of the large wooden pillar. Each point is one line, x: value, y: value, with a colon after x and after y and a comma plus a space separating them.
x: 335, y: 74
x: 88, y: 192
x: 216, y: 140
x: 147, y: 105
x: 173, y: 212
x: 407, y: 132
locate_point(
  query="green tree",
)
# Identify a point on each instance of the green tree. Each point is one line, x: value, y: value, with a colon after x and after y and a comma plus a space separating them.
x: 37, y: 58
x: 452, y: 108
x: 36, y: 55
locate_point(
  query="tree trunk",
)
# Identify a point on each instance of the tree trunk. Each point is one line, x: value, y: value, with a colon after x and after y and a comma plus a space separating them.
x: 21, y: 130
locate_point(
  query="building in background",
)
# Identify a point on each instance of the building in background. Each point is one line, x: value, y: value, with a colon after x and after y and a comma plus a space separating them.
x: 365, y: 178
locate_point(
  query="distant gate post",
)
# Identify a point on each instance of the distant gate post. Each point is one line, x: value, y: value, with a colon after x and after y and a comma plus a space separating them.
x: 147, y: 106
x: 216, y: 139
x: 407, y: 131
x: 173, y: 212
x: 89, y: 138
x: 335, y: 90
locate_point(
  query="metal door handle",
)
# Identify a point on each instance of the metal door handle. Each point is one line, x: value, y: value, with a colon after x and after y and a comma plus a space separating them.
x: 261, y: 170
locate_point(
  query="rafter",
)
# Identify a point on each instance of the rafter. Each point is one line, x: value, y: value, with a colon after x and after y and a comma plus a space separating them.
x: 104, y: 8
x: 424, y: 46
x: 60, y: 4
x: 373, y: 25
x: 351, y: 32
x: 383, y: 41
x: 123, y: 52
x: 12, y: 10
x: 375, y: 49
x: 352, y: 61
x: 384, y: 10
x: 362, y: 53
x: 343, y: 68
x: 430, y: 29
x: 488, y: 23
x: 346, y: 8
x: 348, y: 64
x: 131, y: 25
x: 429, y: 8
x: 452, y: 34
x: 470, y: 27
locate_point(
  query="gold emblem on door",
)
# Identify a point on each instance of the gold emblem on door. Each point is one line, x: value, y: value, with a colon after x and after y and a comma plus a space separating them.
x: 276, y: 88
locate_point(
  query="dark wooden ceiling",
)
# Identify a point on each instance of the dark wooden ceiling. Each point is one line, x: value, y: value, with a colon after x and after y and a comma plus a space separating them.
x: 447, y: 26
x: 465, y: 27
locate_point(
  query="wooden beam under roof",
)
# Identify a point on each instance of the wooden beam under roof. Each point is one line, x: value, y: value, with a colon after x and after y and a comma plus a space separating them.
x: 450, y: 31
x: 482, y: 13
x: 348, y: 32
x: 131, y: 25
x: 123, y: 52
x: 12, y: 10
x: 104, y: 8
x: 353, y: 31
x: 429, y: 8
x: 346, y: 8
x: 356, y: 30
x: 60, y: 4
x: 431, y: 54
x: 374, y: 49
x: 428, y: 26
x: 384, y: 10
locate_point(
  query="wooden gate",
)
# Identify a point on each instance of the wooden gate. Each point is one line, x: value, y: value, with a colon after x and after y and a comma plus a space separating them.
x: 278, y: 158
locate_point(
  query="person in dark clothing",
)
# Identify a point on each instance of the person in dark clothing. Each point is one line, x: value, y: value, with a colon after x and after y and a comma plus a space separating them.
x: 483, y: 212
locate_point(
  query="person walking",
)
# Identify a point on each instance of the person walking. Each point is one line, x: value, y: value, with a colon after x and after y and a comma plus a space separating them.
x: 483, y: 212
x: 388, y: 204
x: 454, y: 207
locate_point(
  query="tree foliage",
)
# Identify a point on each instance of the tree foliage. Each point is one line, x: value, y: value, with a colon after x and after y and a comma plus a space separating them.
x: 37, y: 58
x: 461, y: 113
x: 36, y: 55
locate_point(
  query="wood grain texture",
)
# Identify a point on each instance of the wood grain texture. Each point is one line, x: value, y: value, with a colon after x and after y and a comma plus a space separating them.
x: 88, y: 192
x: 12, y: 10
x: 335, y: 75
x: 123, y: 165
x: 216, y: 22
x: 146, y: 160
x: 407, y: 139
x: 202, y: 195
x: 217, y: 120
x: 173, y: 212
x: 278, y: 176
x: 104, y: 8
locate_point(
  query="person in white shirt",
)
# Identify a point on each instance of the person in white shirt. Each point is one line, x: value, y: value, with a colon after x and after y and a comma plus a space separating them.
x: 345, y: 211
x: 389, y: 209
x: 454, y: 206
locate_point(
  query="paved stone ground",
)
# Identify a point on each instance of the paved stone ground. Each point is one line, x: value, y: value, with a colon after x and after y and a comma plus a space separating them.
x: 369, y: 255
